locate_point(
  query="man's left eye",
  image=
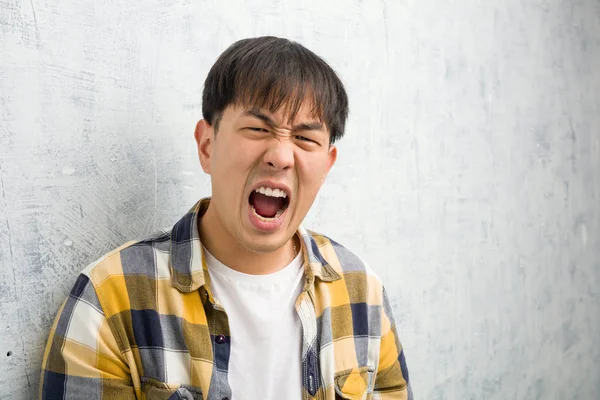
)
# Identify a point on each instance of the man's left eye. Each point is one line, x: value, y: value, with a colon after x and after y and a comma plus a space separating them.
x: 304, y: 139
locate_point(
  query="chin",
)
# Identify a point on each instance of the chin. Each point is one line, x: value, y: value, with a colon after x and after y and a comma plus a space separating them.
x: 262, y: 246
x: 259, y: 241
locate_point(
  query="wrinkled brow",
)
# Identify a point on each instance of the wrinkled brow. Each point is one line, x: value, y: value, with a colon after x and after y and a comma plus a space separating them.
x: 304, y: 126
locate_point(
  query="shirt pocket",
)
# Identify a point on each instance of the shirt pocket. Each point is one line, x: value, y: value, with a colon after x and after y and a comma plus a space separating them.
x: 354, y: 384
x: 153, y: 389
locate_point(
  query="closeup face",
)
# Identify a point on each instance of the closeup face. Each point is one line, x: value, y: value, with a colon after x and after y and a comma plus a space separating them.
x: 265, y: 172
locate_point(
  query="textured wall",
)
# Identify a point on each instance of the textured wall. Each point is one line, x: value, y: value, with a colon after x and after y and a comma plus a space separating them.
x: 469, y: 177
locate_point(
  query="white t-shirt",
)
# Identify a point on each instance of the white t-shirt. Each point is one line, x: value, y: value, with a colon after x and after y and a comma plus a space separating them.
x: 266, y: 333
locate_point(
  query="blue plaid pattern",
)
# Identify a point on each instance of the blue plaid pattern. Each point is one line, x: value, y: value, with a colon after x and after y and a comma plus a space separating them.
x: 142, y: 323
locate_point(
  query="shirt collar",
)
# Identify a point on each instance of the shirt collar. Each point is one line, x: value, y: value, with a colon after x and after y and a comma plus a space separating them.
x: 189, y: 269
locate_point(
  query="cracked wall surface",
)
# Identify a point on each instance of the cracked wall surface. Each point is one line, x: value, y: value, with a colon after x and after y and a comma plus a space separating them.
x: 469, y: 177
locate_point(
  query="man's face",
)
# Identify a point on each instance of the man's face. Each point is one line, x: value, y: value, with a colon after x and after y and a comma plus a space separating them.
x: 265, y: 172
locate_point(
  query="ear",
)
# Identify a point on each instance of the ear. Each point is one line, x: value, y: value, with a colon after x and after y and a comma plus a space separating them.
x: 331, y: 158
x: 204, y: 135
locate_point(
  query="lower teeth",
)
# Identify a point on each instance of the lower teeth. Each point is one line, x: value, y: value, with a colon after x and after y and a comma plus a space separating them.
x: 266, y: 219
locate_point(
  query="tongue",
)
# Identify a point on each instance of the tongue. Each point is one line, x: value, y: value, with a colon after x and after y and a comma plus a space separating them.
x: 266, y: 206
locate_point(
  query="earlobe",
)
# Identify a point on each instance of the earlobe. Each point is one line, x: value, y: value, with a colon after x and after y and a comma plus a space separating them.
x: 332, y: 156
x: 204, y: 138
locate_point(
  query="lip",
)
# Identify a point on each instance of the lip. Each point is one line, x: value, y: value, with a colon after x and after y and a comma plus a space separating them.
x: 269, y: 226
x: 265, y: 226
x: 274, y: 185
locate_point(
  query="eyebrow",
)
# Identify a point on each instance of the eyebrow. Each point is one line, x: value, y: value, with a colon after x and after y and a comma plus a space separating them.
x: 304, y: 126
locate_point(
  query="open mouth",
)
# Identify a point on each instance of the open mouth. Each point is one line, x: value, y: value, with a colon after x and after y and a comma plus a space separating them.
x: 268, y: 204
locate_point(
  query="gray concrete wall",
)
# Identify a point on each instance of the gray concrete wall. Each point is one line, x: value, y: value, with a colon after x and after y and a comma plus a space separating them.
x: 469, y: 177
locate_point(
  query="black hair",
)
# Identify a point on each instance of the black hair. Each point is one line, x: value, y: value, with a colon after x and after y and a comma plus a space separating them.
x: 275, y: 73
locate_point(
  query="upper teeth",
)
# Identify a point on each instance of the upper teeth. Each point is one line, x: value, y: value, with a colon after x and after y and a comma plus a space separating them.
x: 267, y: 191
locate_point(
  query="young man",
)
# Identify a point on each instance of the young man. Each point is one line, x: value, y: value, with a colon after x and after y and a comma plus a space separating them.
x: 238, y: 301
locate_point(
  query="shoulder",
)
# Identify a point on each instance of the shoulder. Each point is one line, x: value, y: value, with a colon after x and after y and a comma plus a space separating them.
x: 344, y: 261
x: 146, y: 258
x: 132, y: 258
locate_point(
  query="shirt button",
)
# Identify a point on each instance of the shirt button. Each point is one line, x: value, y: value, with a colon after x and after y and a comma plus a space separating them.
x: 221, y: 340
x: 311, y: 384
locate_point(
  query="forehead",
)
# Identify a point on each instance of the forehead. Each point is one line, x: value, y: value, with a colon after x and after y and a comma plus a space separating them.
x: 283, y: 101
x: 282, y: 116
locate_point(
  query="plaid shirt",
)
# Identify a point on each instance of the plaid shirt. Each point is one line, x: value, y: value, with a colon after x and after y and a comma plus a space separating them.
x: 142, y: 323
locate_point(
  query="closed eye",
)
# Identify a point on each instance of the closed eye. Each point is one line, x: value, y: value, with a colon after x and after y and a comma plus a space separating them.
x: 304, y: 139
x: 255, y: 129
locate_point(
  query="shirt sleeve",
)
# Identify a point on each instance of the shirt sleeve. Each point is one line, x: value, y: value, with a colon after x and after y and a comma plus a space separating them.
x: 82, y: 357
x: 391, y: 381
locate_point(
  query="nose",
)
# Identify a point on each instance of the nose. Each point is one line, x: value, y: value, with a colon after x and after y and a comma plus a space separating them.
x: 280, y: 154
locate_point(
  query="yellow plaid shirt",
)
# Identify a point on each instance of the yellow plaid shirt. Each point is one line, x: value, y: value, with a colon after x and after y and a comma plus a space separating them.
x: 142, y: 323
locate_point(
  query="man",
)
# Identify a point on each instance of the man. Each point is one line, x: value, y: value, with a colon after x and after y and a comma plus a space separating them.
x: 238, y: 301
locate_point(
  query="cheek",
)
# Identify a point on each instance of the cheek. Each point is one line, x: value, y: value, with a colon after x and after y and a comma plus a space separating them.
x: 233, y: 169
x: 234, y: 158
x: 311, y: 173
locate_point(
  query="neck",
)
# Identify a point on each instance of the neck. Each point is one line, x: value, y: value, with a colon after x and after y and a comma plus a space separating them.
x: 227, y: 250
